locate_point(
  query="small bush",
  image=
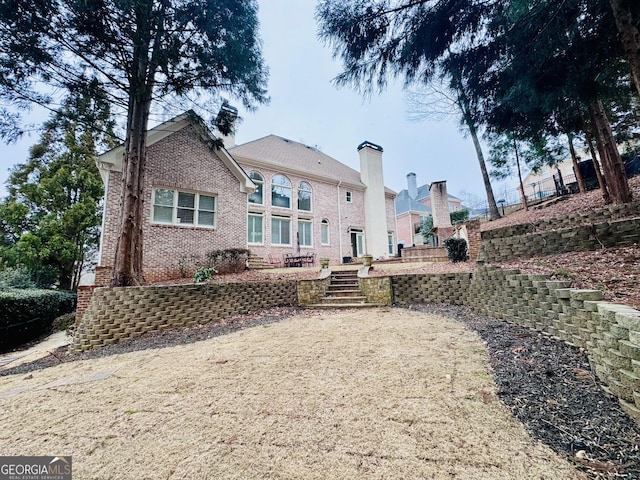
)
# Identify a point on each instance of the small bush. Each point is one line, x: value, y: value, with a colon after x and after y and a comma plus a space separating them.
x: 459, y: 216
x: 456, y: 249
x: 16, y: 277
x: 203, y: 274
x: 231, y: 260
x: 65, y: 322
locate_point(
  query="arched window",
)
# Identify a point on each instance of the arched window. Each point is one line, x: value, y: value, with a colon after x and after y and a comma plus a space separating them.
x: 304, y: 197
x: 324, y: 232
x: 256, y: 197
x: 281, y: 192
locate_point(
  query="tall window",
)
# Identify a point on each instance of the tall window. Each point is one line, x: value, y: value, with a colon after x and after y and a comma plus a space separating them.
x: 280, y: 230
x: 348, y: 197
x: 304, y: 197
x: 305, y: 233
x: 324, y: 232
x: 390, y: 242
x: 281, y: 192
x: 255, y: 228
x: 256, y: 197
x: 183, y: 208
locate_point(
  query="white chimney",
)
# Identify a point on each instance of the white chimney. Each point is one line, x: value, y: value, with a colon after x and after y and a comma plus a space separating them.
x: 374, y: 199
x: 412, y: 185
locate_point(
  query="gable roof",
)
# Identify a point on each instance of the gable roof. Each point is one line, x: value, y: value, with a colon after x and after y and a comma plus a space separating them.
x: 112, y: 159
x: 278, y: 153
x: 404, y: 203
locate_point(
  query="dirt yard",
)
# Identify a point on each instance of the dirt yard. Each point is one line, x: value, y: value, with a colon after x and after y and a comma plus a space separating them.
x: 387, y: 393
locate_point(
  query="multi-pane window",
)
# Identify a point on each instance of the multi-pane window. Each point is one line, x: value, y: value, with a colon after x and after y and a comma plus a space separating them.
x: 305, y: 233
x: 304, y: 197
x: 280, y: 230
x: 281, y: 192
x: 324, y: 232
x: 183, y: 208
x: 390, y: 242
x: 256, y: 197
x: 255, y: 228
x: 348, y: 197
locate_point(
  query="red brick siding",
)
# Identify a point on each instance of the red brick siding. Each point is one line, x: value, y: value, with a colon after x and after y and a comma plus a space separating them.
x: 180, y: 161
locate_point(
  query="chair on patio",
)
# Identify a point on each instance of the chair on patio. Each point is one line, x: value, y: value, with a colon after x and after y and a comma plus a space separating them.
x: 276, y: 262
x: 309, y: 260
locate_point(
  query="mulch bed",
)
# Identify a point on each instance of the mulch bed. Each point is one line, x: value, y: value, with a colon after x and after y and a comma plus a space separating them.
x: 547, y: 384
x: 551, y: 389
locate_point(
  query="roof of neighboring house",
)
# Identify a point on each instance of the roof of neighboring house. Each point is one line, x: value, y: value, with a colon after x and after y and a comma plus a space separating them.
x: 405, y: 203
x: 282, y: 154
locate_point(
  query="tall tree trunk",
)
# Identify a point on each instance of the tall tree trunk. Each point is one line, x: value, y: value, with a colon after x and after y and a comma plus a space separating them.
x: 127, y: 265
x: 629, y: 36
x: 523, y: 197
x: 494, y: 214
x: 576, y: 169
x: 596, y: 166
x: 614, y: 173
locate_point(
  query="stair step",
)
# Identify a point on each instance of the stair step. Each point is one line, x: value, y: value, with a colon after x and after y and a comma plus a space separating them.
x: 345, y: 305
x: 353, y: 299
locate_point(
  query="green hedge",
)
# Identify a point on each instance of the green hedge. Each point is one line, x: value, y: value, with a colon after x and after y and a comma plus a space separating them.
x: 27, y: 314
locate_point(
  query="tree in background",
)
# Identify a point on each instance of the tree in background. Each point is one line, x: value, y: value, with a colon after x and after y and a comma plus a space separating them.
x: 50, y: 220
x: 413, y: 40
x: 136, y: 53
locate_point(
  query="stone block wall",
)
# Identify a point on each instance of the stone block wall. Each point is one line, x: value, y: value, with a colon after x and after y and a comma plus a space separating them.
x: 376, y: 289
x: 573, y: 239
x: 127, y: 312
x: 451, y: 288
x: 312, y: 291
x: 602, y: 215
x: 424, y: 253
x: 609, y: 333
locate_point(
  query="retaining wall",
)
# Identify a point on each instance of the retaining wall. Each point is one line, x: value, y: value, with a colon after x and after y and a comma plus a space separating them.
x: 618, y: 233
x: 114, y: 314
x: 609, y: 333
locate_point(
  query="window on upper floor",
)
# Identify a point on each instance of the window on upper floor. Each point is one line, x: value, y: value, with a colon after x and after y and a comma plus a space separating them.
x: 348, y: 197
x: 256, y: 197
x: 183, y: 208
x: 304, y: 197
x: 281, y: 192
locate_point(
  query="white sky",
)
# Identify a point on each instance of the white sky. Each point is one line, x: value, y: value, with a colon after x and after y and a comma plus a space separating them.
x: 306, y: 107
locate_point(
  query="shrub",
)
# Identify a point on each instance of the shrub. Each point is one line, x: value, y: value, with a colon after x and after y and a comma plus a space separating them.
x: 65, y: 322
x: 27, y: 314
x: 16, y: 277
x: 203, y: 274
x: 459, y: 216
x: 456, y: 249
x: 231, y: 260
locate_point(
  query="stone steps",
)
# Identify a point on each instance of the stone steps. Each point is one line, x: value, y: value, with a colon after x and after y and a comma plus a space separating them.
x: 344, y: 292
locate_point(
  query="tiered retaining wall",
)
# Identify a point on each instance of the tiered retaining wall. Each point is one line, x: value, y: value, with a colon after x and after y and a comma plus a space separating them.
x: 609, y: 333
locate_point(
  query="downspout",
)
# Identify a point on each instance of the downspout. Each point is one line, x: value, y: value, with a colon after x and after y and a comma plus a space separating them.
x: 339, y: 222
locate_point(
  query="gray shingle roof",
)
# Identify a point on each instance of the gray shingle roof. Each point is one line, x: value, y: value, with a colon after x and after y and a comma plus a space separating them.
x: 282, y: 154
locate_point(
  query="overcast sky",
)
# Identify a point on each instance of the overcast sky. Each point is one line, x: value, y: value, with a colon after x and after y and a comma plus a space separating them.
x: 306, y: 107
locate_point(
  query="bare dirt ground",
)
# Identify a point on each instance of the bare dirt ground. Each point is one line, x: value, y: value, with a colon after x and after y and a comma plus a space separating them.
x: 385, y: 393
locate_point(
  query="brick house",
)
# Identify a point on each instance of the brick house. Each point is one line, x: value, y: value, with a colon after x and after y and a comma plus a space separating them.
x: 412, y: 205
x: 272, y: 196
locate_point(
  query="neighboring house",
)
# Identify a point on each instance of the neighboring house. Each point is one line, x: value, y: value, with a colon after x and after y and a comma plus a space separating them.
x: 272, y: 195
x: 412, y: 205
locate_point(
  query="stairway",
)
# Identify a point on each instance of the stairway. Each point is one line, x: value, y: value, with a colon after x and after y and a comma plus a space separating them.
x: 344, y: 292
x: 258, y: 263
